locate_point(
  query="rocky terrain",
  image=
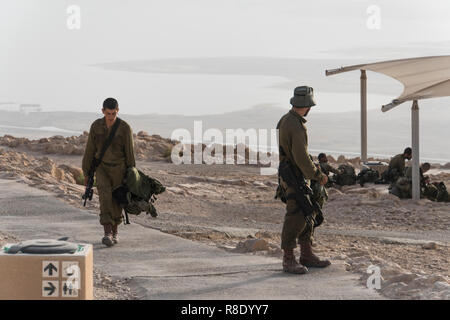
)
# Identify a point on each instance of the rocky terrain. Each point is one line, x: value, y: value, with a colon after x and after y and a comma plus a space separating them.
x: 232, y: 207
x: 146, y: 147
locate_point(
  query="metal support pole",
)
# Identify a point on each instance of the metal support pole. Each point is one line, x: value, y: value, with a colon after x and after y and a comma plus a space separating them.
x: 415, y: 151
x: 363, y: 116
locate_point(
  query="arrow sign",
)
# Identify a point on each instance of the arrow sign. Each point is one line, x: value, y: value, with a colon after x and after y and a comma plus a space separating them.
x: 50, y: 268
x: 52, y: 288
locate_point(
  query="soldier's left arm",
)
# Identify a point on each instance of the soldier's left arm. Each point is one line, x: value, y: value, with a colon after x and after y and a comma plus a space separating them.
x: 129, y: 148
x: 332, y: 169
x: 301, y: 156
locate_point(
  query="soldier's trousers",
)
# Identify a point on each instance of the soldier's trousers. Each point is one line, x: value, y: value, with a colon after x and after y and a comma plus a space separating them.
x: 296, y: 227
x: 108, y: 178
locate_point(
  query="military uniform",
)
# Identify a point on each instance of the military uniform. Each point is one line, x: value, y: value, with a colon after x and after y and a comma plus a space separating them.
x: 293, y: 139
x: 408, y: 175
x: 403, y: 186
x: 111, y: 171
x: 293, y: 144
x: 326, y: 168
x: 397, y: 165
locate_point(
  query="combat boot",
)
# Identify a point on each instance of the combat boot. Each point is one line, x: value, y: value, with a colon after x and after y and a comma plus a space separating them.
x: 115, y: 234
x: 291, y: 265
x: 309, y: 259
x: 107, y: 240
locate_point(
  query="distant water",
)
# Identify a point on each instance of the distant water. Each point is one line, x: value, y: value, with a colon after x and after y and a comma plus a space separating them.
x: 196, y: 94
x: 144, y: 93
x: 36, y: 133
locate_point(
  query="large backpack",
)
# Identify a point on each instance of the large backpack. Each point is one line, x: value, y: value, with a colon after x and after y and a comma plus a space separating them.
x: 138, y: 193
x: 347, y: 176
x: 367, y: 175
x: 442, y: 194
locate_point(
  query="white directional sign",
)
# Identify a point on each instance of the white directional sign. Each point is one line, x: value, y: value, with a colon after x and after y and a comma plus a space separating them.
x: 50, y: 269
x: 50, y: 288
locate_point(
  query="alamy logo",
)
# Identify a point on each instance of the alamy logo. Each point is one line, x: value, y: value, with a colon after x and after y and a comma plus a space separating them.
x: 74, y: 18
x: 235, y: 140
x: 374, y: 19
x: 374, y: 280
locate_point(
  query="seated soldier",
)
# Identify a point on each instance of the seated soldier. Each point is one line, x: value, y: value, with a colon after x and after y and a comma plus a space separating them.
x: 423, y: 168
x: 397, y: 166
x: 402, y: 188
x: 326, y: 168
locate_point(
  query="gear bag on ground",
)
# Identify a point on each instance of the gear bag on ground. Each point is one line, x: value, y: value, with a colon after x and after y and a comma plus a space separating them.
x: 347, y: 176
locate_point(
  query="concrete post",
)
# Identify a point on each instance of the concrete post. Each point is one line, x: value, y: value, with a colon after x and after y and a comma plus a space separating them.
x: 415, y: 151
x: 363, y: 116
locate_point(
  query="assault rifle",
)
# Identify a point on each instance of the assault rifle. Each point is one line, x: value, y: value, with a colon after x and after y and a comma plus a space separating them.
x: 88, y: 193
x: 303, y: 193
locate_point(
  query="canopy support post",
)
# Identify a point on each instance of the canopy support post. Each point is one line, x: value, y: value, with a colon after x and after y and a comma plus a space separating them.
x: 415, y: 151
x: 363, y: 116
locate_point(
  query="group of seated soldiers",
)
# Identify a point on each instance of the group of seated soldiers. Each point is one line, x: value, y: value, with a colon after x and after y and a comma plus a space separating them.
x: 398, y: 176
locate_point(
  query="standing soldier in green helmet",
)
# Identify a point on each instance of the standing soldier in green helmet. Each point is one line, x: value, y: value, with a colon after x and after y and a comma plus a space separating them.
x: 293, y: 144
x: 111, y: 171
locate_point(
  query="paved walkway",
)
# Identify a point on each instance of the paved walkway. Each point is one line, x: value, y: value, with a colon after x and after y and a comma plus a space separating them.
x: 164, y: 266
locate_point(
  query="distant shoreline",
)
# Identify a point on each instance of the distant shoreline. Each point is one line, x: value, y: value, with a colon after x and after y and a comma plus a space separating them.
x: 334, y: 134
x: 43, y: 132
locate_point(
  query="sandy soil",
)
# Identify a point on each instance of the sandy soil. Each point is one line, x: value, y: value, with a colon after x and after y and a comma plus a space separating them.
x: 232, y: 207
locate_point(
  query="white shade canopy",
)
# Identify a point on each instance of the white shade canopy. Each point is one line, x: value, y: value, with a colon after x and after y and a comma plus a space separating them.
x: 422, y: 78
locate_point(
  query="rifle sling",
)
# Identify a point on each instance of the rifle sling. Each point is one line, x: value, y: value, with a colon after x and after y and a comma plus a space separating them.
x: 108, y: 141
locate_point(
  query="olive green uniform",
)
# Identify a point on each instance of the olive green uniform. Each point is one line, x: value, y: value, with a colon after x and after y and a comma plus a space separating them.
x: 326, y: 168
x: 403, y: 186
x: 111, y: 171
x: 293, y: 139
x: 398, y: 162
x: 408, y: 174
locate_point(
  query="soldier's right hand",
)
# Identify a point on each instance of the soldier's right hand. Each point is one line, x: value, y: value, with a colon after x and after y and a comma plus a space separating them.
x: 324, y: 180
x: 85, y: 181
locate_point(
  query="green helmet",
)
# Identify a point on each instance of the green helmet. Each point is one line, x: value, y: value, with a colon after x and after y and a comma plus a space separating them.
x: 303, y: 97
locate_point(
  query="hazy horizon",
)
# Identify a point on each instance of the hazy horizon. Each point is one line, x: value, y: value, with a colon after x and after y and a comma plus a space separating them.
x: 44, y: 62
x: 388, y: 133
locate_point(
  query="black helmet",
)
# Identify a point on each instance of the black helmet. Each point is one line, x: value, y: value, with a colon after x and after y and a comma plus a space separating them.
x: 303, y: 97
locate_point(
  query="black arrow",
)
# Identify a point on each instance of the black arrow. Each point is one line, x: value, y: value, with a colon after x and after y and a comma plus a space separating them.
x: 50, y: 267
x: 52, y: 288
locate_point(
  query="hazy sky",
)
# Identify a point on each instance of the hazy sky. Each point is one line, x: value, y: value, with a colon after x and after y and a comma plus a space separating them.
x: 38, y: 51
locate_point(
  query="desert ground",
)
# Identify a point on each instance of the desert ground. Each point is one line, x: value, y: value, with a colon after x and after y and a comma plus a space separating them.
x: 233, y: 207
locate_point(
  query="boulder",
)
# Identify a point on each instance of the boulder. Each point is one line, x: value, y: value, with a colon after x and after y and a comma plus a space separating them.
x: 252, y: 245
x: 341, y: 159
x: 142, y: 134
x: 430, y: 246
